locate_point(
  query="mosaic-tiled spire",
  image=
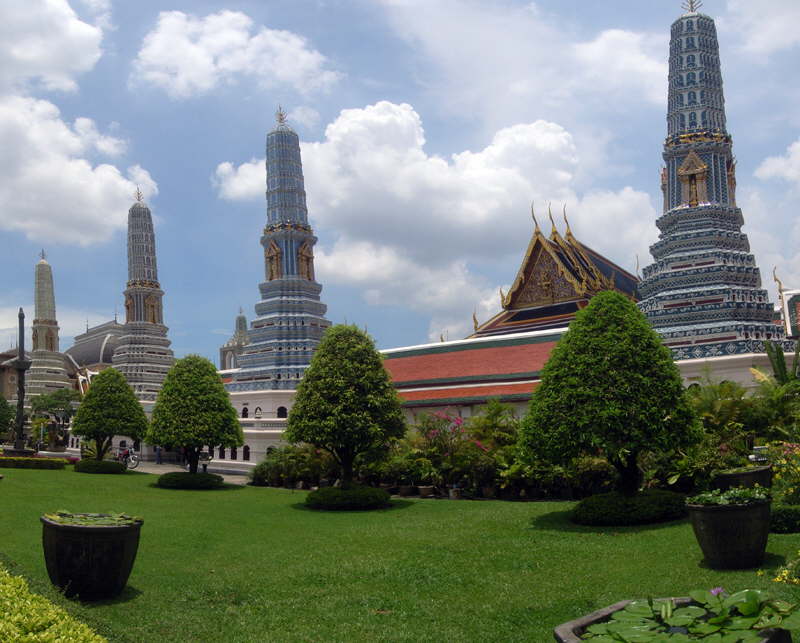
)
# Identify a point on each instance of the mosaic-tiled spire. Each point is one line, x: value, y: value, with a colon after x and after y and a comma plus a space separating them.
x: 47, y: 372
x: 290, y: 318
x: 143, y: 355
x: 703, y: 293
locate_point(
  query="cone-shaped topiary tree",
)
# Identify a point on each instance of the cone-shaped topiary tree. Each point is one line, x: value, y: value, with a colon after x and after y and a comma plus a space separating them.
x: 609, y: 386
x: 193, y: 410
x: 345, y: 403
x: 109, y: 408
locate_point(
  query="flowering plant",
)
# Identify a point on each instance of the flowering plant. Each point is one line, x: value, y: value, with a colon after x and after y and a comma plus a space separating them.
x: 785, y: 459
x: 713, y: 615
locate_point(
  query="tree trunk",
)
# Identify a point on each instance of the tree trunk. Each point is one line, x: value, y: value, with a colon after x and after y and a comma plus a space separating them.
x: 630, y: 477
x: 346, y: 461
x: 192, y: 456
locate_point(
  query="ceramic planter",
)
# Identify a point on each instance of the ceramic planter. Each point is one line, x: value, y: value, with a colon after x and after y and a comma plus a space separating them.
x: 426, y: 491
x: 571, y: 632
x: 405, y: 490
x: 454, y: 493
x: 90, y: 561
x: 748, y: 478
x: 731, y: 536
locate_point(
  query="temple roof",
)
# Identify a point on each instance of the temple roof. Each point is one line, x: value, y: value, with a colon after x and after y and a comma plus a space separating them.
x: 558, y: 276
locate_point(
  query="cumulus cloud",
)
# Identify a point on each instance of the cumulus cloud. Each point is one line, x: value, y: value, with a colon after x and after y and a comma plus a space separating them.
x: 43, y: 42
x: 304, y: 115
x: 411, y: 227
x: 71, y: 321
x: 533, y: 64
x: 785, y: 167
x: 186, y: 55
x: 765, y: 30
x: 51, y: 191
x: 100, y: 11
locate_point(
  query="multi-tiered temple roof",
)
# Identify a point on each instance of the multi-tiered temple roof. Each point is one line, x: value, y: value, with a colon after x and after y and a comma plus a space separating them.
x: 703, y: 292
x: 290, y: 318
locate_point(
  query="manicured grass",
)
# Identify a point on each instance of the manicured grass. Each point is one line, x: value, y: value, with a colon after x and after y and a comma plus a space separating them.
x: 251, y: 564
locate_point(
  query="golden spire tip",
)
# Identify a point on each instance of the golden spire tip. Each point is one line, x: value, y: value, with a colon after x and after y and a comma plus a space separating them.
x: 280, y: 115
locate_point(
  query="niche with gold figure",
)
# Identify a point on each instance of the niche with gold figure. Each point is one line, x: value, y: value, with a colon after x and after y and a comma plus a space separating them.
x: 152, y: 309
x: 305, y: 262
x: 273, y: 256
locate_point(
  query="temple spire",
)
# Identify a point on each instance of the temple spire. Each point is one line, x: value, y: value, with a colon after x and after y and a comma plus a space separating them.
x: 692, y: 5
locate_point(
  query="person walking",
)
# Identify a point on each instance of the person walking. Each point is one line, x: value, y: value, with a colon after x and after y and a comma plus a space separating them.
x: 158, y: 454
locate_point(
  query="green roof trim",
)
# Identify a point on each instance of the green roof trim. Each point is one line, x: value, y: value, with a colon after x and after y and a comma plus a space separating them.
x: 448, y: 401
x: 500, y: 377
x: 478, y: 345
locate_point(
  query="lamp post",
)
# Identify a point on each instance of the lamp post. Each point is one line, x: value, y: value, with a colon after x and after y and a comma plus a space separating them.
x: 21, y: 365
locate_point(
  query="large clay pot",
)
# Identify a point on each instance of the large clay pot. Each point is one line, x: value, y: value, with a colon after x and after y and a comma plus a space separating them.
x: 426, y: 491
x: 749, y: 477
x: 731, y: 536
x: 91, y: 562
x: 571, y: 632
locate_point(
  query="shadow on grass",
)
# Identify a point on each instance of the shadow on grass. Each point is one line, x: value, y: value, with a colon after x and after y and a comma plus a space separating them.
x: 771, y: 563
x: 393, y: 506
x: 226, y: 486
x: 128, y: 594
x: 559, y: 521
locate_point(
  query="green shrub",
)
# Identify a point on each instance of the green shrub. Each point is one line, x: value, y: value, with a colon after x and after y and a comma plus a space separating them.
x: 32, y: 463
x: 186, y: 480
x: 99, y: 466
x: 785, y: 519
x: 291, y: 464
x: 351, y: 499
x: 25, y: 616
x: 589, y: 476
x: 615, y: 509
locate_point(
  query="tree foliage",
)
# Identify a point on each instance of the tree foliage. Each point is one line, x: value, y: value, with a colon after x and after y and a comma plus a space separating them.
x: 345, y: 403
x: 109, y: 408
x: 193, y: 410
x: 609, y: 386
x: 778, y: 394
x: 7, y: 415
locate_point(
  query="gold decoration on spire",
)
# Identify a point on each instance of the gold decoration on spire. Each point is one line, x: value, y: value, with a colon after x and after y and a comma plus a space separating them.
x: 638, y: 276
x: 280, y: 116
x: 502, y: 297
x: 533, y: 214
x: 475, y: 323
x: 775, y: 277
x: 552, y: 223
x: 566, y: 221
x: 692, y: 5
x: 43, y: 255
x: 138, y: 194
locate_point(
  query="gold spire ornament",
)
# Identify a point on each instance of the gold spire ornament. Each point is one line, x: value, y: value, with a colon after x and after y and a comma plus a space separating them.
x: 533, y: 214
x: 566, y: 221
x: 638, y: 276
x: 280, y: 116
x: 550, y: 214
x: 138, y: 194
x: 43, y: 255
x: 475, y: 323
x: 692, y: 5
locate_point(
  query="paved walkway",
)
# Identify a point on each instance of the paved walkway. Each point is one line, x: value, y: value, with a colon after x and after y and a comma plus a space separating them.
x: 152, y: 467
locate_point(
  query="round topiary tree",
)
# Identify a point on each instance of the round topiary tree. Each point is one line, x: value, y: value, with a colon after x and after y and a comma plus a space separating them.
x: 109, y: 408
x: 193, y: 410
x: 609, y: 386
x: 345, y: 403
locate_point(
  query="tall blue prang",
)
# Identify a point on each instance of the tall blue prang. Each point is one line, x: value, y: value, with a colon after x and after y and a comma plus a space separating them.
x: 703, y: 293
x: 290, y: 318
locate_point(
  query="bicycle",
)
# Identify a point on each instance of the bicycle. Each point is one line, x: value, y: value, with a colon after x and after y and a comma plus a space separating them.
x: 128, y: 458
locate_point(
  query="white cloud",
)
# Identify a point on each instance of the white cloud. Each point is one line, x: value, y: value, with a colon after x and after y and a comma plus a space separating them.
x: 185, y: 55
x: 71, y: 321
x: 507, y: 62
x: 307, y: 116
x: 50, y: 191
x: 44, y: 42
x: 782, y: 167
x: 764, y: 29
x: 410, y: 227
x: 101, y: 12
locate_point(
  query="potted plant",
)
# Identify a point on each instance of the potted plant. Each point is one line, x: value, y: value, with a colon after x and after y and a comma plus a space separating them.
x: 428, y: 477
x: 88, y: 554
x: 743, y: 477
x: 746, y: 616
x: 731, y: 526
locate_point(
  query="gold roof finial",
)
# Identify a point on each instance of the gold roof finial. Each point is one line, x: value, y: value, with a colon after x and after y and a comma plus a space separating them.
x: 777, y: 281
x: 475, y: 323
x: 138, y: 194
x: 550, y: 214
x: 566, y: 221
x: 502, y: 297
x: 692, y: 5
x: 43, y: 255
x: 637, y: 266
x: 280, y: 116
x: 533, y: 214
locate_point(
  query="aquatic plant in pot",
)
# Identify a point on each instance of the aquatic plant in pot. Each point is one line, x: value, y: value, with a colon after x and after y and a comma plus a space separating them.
x: 731, y: 526
x: 743, y: 477
x: 748, y: 616
x: 90, y: 555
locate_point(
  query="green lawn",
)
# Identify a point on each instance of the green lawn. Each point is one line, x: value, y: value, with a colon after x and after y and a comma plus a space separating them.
x: 250, y: 564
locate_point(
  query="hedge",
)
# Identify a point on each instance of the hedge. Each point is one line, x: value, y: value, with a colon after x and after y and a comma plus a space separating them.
x: 785, y: 519
x: 355, y: 498
x: 90, y: 465
x: 186, y: 480
x: 32, y: 463
x: 615, y: 509
x: 25, y: 616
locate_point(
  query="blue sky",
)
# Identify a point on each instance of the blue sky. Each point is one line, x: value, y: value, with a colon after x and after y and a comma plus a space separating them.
x: 427, y: 128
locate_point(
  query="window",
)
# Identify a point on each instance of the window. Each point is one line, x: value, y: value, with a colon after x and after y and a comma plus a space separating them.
x: 245, y: 412
x: 233, y: 453
x: 246, y: 453
x: 257, y: 413
x: 282, y: 412
x: 222, y: 453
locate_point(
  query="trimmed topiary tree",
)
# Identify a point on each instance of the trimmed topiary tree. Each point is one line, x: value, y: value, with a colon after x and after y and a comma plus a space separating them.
x: 346, y: 403
x: 109, y: 408
x: 193, y: 410
x: 609, y: 386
